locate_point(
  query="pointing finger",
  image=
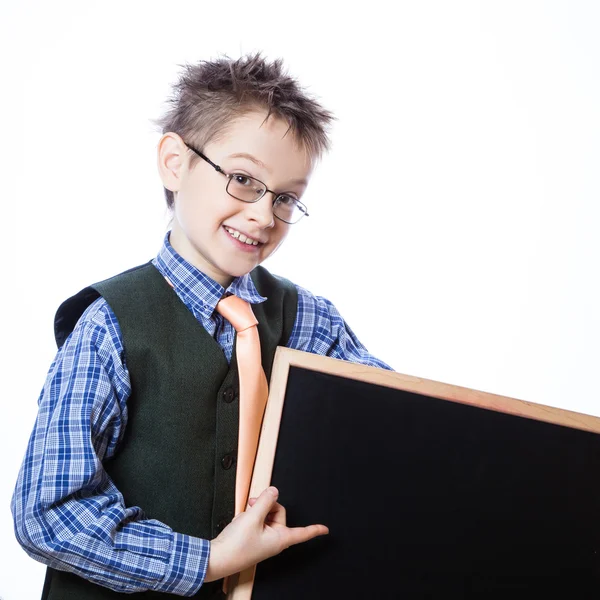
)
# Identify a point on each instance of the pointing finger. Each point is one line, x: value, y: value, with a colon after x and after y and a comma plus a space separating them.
x: 297, y: 535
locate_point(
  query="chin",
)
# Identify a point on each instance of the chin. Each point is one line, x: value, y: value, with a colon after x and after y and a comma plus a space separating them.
x: 239, y: 272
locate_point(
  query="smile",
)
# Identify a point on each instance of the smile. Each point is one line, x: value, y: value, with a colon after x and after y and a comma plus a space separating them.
x: 241, y: 237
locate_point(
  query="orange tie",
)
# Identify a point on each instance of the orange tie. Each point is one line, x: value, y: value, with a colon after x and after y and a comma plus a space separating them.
x: 253, y: 391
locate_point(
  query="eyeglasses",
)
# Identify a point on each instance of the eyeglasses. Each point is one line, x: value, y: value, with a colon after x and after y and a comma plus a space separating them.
x: 248, y: 189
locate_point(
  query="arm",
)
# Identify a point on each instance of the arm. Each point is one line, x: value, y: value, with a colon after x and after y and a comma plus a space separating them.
x: 320, y: 329
x: 67, y: 512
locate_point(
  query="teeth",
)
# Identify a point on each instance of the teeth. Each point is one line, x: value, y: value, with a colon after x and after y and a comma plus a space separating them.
x: 241, y: 237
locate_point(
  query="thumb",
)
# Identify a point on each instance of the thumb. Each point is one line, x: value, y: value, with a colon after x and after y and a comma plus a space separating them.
x: 264, y: 503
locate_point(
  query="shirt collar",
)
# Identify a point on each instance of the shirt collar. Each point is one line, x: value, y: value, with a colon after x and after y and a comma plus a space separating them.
x: 196, y: 288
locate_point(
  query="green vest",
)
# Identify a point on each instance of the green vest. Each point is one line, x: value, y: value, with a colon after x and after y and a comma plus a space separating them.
x: 175, y: 459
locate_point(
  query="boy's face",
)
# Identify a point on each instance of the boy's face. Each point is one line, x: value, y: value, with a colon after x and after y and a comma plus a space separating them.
x: 203, y: 211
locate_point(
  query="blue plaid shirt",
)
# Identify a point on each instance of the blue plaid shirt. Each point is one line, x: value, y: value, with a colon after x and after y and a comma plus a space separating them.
x: 67, y: 512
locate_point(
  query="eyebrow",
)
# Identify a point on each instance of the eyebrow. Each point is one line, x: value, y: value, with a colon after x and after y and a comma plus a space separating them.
x: 261, y: 164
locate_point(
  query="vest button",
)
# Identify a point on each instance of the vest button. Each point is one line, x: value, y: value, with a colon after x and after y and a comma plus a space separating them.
x: 229, y: 395
x: 227, y: 461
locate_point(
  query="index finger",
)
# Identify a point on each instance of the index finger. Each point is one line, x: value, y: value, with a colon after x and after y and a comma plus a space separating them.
x: 297, y: 535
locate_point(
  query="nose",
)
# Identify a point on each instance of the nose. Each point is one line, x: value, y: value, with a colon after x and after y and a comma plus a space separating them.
x: 262, y: 211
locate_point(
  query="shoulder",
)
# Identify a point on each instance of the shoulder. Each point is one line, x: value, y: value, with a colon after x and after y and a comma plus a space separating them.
x: 130, y: 280
x: 313, y: 305
x: 266, y: 282
x: 321, y: 329
x: 95, y: 346
x: 72, y: 310
x: 98, y: 326
x: 309, y: 305
x: 317, y: 322
x: 98, y: 315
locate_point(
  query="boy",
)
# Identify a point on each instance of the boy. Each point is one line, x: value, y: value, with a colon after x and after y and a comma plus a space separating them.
x: 127, y: 475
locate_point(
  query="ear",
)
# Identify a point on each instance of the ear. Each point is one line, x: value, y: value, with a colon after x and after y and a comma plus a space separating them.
x: 171, y: 155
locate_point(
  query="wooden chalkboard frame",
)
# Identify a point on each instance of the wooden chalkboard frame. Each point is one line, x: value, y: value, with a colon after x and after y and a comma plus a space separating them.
x: 285, y: 358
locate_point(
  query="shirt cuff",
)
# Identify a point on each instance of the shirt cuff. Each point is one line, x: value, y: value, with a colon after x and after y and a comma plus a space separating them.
x: 187, y: 568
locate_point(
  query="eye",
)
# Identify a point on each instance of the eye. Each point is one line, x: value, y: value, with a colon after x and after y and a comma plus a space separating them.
x: 242, y: 179
x: 285, y: 199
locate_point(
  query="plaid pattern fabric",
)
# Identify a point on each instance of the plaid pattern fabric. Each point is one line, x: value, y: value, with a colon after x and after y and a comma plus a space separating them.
x: 67, y: 512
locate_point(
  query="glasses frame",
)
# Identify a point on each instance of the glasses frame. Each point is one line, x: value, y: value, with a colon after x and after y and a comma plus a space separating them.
x: 276, y: 195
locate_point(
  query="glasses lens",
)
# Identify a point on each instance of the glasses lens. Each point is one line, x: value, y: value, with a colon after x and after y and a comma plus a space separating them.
x: 245, y: 188
x: 249, y: 189
x: 288, y: 208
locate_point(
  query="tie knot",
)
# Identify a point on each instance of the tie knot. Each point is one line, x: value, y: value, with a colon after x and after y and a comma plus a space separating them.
x: 238, y: 312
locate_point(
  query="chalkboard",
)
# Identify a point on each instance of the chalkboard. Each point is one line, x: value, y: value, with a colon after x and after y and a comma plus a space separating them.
x: 429, y: 490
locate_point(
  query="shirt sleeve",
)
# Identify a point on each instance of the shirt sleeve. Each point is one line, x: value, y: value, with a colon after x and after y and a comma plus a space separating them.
x: 320, y: 329
x: 67, y: 512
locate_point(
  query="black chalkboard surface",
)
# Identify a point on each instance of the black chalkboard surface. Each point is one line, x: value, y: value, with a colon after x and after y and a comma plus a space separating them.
x: 426, y: 497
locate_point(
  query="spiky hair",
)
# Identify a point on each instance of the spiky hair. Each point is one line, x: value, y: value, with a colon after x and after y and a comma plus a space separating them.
x: 210, y: 94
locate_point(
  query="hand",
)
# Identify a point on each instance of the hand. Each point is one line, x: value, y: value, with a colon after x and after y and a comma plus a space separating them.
x: 254, y: 535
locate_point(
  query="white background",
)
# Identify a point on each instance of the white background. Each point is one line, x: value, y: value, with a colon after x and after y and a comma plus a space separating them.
x: 461, y: 191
